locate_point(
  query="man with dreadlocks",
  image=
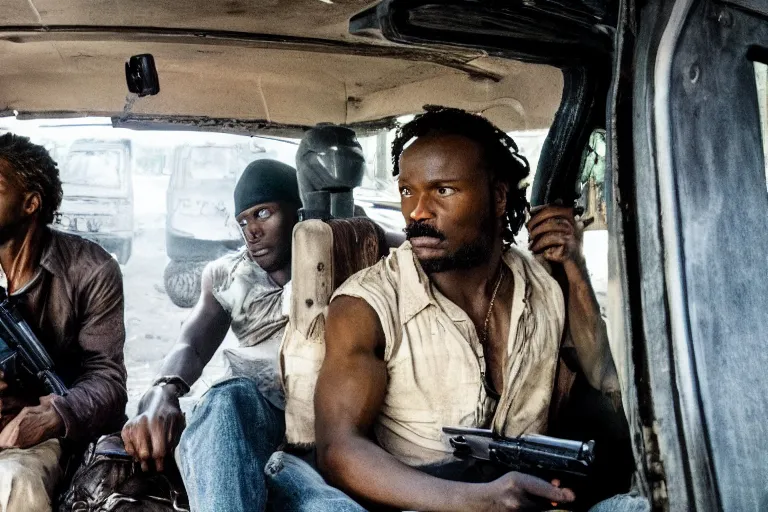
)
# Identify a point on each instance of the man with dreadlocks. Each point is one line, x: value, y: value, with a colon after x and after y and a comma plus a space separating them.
x: 70, y: 292
x: 458, y: 326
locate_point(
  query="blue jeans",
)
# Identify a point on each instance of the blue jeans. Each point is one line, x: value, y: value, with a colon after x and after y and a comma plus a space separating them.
x: 296, y: 486
x: 230, y: 435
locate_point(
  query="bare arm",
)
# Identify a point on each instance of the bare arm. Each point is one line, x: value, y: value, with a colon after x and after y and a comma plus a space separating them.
x: 588, y: 330
x: 155, y: 431
x: 556, y: 235
x: 201, y: 335
x: 350, y: 390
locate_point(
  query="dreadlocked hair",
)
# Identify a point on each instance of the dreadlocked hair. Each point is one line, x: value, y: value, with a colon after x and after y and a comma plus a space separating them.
x: 34, y: 170
x: 501, y: 155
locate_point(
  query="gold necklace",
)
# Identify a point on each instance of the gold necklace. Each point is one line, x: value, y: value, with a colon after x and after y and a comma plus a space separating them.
x: 490, y: 306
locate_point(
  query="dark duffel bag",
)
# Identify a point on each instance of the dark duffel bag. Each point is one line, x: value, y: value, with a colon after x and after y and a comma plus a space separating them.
x: 110, y: 481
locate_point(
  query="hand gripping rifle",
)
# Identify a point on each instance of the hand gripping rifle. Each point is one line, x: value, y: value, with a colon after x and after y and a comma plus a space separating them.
x: 23, y: 359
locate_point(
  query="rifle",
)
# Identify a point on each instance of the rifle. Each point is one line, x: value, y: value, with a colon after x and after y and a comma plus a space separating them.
x: 542, y: 456
x: 22, y: 356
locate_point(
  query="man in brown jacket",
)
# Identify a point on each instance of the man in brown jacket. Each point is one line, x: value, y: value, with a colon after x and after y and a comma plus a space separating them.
x: 69, y: 290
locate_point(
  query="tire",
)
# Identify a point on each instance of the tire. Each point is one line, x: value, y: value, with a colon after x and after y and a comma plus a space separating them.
x: 182, y: 282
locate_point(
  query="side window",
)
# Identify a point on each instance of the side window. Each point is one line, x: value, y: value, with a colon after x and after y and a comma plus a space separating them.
x: 592, y: 176
x: 593, y: 181
x: 761, y: 77
x: 592, y: 200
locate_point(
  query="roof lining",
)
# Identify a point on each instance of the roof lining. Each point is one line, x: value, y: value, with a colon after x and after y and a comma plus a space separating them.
x: 452, y: 59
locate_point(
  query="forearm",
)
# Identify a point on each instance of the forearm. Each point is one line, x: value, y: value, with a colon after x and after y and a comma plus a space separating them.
x: 183, y: 360
x: 588, y: 330
x: 367, y: 471
x: 93, y: 405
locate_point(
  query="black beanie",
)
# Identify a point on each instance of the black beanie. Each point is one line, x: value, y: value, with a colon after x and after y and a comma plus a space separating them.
x: 266, y: 181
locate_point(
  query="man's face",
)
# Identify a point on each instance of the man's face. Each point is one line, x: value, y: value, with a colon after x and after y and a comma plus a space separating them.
x: 267, y: 229
x: 449, y: 205
x: 12, y: 200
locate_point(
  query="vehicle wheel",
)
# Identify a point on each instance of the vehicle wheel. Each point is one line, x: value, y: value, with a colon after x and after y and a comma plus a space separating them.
x: 182, y: 282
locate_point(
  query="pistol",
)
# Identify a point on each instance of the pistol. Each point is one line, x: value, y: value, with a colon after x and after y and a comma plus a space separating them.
x: 542, y: 456
x: 22, y: 357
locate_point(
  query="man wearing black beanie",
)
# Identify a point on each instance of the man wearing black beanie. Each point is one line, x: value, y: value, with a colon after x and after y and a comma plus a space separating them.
x: 240, y: 421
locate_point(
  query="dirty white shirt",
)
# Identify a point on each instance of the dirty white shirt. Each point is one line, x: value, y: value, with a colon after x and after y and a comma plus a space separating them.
x: 435, y: 363
x: 255, y: 304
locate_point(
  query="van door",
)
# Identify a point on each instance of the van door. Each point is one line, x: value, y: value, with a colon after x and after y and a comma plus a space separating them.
x: 690, y: 253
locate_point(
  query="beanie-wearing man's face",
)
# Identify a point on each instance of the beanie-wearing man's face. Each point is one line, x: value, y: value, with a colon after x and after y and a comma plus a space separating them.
x: 267, y: 230
x: 267, y: 199
x: 446, y: 201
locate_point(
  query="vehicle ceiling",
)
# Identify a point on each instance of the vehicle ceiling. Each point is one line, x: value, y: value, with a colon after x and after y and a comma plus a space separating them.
x: 265, y: 63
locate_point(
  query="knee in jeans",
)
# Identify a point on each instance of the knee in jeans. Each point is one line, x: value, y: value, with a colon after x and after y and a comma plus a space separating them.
x: 233, y: 392
x: 274, y: 464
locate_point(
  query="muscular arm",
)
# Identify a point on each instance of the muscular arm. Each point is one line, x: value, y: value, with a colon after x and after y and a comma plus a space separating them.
x: 588, y: 330
x: 556, y: 236
x: 202, y: 333
x: 349, y: 394
x: 155, y: 430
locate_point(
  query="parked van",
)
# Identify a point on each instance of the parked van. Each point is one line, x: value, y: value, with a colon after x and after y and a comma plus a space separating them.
x: 98, y: 195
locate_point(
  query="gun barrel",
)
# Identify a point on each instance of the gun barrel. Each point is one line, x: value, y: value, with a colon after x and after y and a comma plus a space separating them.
x: 576, y: 449
x: 530, y: 452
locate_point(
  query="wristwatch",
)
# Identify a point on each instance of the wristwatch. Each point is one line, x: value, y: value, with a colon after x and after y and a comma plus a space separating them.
x: 181, y: 384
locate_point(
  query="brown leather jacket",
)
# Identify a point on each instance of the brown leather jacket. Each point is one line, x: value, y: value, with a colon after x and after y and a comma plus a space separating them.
x: 74, y: 304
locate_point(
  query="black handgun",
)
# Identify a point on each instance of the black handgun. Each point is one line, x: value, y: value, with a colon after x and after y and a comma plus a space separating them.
x: 542, y: 456
x: 22, y: 357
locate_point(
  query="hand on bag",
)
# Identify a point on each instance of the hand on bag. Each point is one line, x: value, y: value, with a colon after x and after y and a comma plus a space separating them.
x: 153, y: 434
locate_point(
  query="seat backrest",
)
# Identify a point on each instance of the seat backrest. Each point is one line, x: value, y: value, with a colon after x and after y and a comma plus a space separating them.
x: 324, y: 255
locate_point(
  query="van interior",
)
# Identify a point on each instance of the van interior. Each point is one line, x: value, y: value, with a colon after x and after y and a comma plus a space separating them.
x: 150, y: 177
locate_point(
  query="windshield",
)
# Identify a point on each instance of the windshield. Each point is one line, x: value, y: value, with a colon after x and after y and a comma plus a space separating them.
x: 210, y: 163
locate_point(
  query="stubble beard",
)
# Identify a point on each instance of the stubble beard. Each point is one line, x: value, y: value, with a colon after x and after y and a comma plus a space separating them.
x: 470, y: 255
